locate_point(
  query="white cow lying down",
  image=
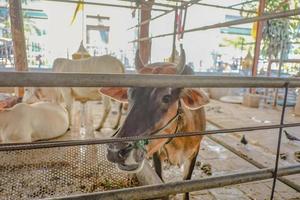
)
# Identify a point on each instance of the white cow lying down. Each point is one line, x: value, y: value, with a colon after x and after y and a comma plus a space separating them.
x: 99, y: 64
x: 31, y: 122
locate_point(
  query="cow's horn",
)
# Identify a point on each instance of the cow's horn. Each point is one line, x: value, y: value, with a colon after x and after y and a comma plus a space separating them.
x: 138, y: 61
x: 181, y: 64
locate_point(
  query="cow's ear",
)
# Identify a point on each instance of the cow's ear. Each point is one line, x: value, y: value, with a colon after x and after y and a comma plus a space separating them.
x: 194, y: 98
x: 117, y: 93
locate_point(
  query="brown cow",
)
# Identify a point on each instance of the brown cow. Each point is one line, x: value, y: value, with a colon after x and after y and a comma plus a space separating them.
x: 164, y: 111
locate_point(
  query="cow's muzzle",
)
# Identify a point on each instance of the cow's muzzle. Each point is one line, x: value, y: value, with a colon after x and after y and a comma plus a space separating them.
x: 127, y: 157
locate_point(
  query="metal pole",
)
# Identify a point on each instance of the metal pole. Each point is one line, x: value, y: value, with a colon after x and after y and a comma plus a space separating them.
x: 184, y: 21
x: 155, y: 3
x: 243, y: 3
x: 285, y: 61
x: 160, y: 190
x: 220, y: 7
x: 51, y: 144
x: 279, y: 140
x: 41, y: 79
x: 147, y: 21
x: 252, y: 161
x: 174, y: 34
x: 103, y: 4
x: 163, y: 14
x: 234, y: 22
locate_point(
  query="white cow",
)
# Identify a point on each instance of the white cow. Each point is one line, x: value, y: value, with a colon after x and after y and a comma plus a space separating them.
x: 31, y: 122
x: 101, y: 64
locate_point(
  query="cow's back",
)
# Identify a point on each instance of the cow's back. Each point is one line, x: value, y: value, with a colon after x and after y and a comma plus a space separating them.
x: 49, y: 120
x: 99, y: 64
x: 31, y: 122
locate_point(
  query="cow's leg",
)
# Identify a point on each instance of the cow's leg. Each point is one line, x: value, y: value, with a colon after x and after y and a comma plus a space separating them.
x: 125, y: 106
x: 158, y: 169
x: 68, y: 100
x: 119, y: 116
x: 82, y: 115
x: 157, y: 165
x: 107, y: 108
x: 188, y: 167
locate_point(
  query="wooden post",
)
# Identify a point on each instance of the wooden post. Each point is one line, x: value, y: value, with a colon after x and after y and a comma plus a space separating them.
x: 258, y: 37
x: 144, y: 46
x: 18, y: 38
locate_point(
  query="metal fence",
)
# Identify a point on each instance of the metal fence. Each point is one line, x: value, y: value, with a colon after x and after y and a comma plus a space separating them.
x: 14, y: 79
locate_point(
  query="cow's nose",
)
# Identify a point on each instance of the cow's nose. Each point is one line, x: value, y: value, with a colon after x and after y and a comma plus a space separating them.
x: 112, y: 156
x: 117, y: 155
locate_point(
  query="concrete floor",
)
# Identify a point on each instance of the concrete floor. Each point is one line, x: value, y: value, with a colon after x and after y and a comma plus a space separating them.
x: 261, y: 147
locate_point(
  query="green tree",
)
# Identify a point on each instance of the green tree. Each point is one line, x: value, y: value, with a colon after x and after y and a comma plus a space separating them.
x: 277, y: 33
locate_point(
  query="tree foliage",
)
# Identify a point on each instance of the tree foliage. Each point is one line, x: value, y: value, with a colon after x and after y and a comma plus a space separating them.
x: 277, y: 33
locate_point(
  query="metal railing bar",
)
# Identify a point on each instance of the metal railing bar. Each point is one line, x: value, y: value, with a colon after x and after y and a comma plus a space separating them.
x: 104, y: 4
x: 275, y: 15
x: 160, y: 190
x: 222, y: 7
x: 243, y: 3
x: 40, y: 79
x: 252, y: 161
x: 279, y: 141
x: 188, y: 4
x: 291, y: 184
x: 154, y: 3
x: 51, y: 144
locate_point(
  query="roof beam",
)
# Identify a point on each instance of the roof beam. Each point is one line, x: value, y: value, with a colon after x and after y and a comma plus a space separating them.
x: 188, y: 4
x: 155, y: 3
x: 103, y: 4
x: 266, y: 16
x: 243, y: 3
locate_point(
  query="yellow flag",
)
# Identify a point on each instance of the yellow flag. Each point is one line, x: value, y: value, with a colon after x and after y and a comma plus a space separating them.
x: 79, y: 7
x: 254, y: 30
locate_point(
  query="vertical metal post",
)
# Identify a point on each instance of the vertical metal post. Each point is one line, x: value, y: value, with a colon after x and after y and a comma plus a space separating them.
x: 184, y: 21
x: 174, y: 34
x: 279, y: 139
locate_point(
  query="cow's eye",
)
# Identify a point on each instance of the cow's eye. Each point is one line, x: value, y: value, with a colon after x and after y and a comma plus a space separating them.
x: 166, y: 98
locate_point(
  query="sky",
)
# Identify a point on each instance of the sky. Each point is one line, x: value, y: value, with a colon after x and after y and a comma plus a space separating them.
x: 62, y: 37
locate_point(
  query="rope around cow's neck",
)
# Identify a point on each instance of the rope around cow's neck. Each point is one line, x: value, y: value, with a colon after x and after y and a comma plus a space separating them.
x: 177, y: 117
x: 142, y: 143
